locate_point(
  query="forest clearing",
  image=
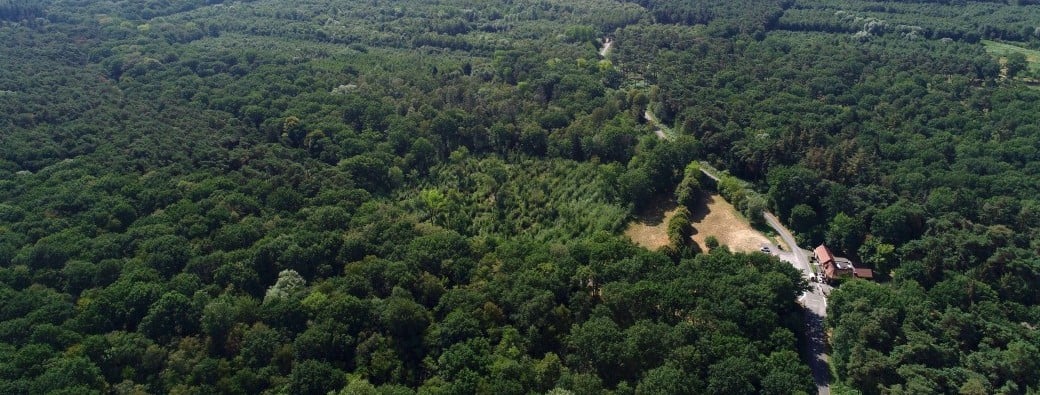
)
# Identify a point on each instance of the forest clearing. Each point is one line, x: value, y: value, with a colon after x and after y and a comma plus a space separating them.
x: 1003, y: 50
x: 716, y: 217
x: 650, y: 228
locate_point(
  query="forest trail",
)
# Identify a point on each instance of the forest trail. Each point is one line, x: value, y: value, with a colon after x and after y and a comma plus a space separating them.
x: 709, y: 171
x: 607, y: 45
x: 659, y: 130
x: 801, y: 261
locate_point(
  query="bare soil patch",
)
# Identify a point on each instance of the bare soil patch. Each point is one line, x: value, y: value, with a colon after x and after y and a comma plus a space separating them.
x: 715, y: 217
x: 720, y: 219
x: 650, y: 229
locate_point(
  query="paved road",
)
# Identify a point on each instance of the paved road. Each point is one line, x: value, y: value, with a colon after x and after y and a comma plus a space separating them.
x: 815, y: 304
x: 801, y: 259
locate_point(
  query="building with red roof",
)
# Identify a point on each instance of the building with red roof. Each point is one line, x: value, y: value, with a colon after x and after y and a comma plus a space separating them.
x: 835, y: 267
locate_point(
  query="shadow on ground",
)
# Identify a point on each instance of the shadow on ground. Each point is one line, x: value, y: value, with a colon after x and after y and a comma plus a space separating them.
x: 813, y: 347
x: 654, y: 212
x: 701, y: 211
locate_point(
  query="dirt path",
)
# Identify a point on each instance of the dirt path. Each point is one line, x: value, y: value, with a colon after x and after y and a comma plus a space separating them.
x: 659, y: 129
x: 607, y: 44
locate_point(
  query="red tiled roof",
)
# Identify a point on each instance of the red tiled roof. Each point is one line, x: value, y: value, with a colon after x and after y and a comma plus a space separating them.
x: 863, y: 273
x: 823, y: 254
x: 828, y: 271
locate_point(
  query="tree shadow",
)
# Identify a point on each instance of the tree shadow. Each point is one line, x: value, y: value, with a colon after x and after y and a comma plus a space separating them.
x: 654, y: 212
x: 697, y: 214
x: 813, y: 347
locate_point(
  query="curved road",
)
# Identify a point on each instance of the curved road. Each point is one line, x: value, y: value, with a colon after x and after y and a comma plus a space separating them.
x: 815, y: 304
x: 801, y: 259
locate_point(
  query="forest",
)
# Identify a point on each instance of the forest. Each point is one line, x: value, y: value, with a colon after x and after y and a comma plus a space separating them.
x: 406, y: 197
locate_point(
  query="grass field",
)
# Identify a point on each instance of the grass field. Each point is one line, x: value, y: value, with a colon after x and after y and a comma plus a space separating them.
x: 1004, y: 49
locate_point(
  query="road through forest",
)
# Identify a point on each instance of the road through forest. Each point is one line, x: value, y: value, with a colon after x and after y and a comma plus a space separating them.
x: 815, y: 304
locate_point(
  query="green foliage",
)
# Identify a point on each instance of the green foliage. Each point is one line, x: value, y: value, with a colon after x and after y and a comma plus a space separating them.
x: 788, y: 187
x: 1016, y: 63
x: 597, y: 343
x: 680, y: 229
x: 897, y: 223
x: 688, y: 193
x: 755, y: 206
x: 934, y: 20
x: 289, y: 283
x: 315, y: 378
x: 75, y: 375
x: 803, y: 218
x: 711, y: 242
x: 581, y: 33
x: 172, y: 315
x: 666, y: 380
x: 199, y: 197
x: 634, y: 185
x: 166, y: 254
x: 1017, y: 58
x: 845, y: 233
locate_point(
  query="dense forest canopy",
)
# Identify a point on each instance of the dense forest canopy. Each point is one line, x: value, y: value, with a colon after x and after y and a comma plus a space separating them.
x: 426, y: 197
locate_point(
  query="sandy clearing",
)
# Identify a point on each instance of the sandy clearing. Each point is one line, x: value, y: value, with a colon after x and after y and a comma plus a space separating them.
x: 650, y: 228
x: 720, y: 219
x: 716, y: 217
